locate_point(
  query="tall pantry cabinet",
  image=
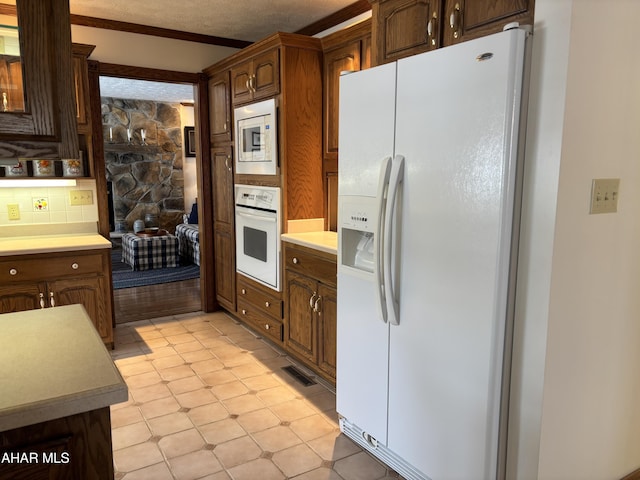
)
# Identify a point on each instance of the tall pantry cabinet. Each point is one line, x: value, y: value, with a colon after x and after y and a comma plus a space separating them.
x: 288, y: 68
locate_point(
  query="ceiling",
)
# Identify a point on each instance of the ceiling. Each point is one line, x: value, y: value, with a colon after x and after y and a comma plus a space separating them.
x: 247, y: 20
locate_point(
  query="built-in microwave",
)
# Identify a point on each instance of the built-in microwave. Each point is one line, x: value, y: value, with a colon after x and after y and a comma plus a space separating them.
x: 256, y: 138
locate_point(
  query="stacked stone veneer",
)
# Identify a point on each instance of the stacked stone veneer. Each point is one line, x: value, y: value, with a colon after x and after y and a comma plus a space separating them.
x: 146, y: 178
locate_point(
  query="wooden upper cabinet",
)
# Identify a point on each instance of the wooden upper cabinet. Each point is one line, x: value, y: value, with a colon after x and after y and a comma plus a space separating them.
x: 220, y: 108
x: 257, y: 78
x: 348, y: 50
x: 81, y: 54
x: 468, y: 19
x: 47, y: 126
x: 404, y: 27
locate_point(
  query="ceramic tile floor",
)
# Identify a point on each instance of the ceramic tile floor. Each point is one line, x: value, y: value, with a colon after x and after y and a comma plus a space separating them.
x: 209, y: 400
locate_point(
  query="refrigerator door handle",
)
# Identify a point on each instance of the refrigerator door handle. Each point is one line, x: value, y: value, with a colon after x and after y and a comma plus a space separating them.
x: 378, y: 242
x: 397, y: 174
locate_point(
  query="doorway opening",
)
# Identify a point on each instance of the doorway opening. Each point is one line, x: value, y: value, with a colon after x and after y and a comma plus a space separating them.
x: 151, y: 184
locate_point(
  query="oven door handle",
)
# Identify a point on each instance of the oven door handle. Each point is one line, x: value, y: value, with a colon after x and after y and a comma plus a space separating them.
x: 258, y: 217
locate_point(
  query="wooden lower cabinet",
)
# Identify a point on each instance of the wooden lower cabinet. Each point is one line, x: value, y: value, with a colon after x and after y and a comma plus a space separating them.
x: 260, y: 307
x: 28, y: 282
x: 310, y: 308
x: 77, y: 446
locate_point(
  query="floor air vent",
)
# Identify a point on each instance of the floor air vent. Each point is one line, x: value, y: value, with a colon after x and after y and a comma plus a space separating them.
x: 299, y: 375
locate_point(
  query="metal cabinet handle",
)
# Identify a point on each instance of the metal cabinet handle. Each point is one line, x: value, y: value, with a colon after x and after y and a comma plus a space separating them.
x: 454, y: 20
x: 295, y: 260
x: 224, y: 127
x: 243, y: 291
x: 247, y: 84
x: 267, y: 304
x: 52, y: 301
x: 42, y: 304
x: 252, y: 83
x: 432, y: 26
x: 317, y: 304
x: 226, y: 162
x: 267, y: 326
x: 312, y: 300
x: 13, y: 271
x: 244, y: 312
x: 75, y: 266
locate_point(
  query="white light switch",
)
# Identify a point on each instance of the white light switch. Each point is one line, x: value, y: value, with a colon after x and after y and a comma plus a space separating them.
x: 604, y: 195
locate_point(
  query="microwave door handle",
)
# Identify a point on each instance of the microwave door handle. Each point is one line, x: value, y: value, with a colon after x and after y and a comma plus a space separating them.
x: 257, y: 217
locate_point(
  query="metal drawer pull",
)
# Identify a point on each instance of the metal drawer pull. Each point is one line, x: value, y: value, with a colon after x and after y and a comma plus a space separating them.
x: 295, y: 260
x: 42, y: 304
x: 13, y: 271
x: 316, y: 305
x: 244, y: 312
x: 75, y: 266
x: 267, y: 304
x: 267, y: 326
x: 52, y: 301
x: 312, y: 300
x: 244, y: 291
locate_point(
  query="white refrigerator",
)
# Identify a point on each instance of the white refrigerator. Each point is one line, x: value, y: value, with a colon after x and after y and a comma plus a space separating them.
x: 429, y: 176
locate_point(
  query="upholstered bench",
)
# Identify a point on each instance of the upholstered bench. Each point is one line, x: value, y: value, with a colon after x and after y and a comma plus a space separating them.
x: 189, y: 240
x: 147, y: 252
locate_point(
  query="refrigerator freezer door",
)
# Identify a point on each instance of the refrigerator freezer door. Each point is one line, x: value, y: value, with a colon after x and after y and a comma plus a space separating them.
x: 457, y: 126
x: 367, y: 116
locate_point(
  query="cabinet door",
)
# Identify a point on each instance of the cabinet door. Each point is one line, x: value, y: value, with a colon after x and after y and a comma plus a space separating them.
x: 401, y: 28
x: 18, y: 297
x: 224, y: 261
x: 222, y: 181
x: 327, y: 329
x: 301, y: 328
x: 220, y: 107
x: 87, y: 291
x: 464, y: 20
x: 266, y: 75
x: 346, y: 58
x: 240, y: 77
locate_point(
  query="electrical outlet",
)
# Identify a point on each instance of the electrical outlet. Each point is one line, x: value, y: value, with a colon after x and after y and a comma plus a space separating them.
x: 14, y: 211
x: 604, y: 195
x: 81, y: 197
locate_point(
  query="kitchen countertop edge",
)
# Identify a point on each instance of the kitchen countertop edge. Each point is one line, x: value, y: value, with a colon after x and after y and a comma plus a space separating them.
x: 325, y: 241
x: 51, y: 243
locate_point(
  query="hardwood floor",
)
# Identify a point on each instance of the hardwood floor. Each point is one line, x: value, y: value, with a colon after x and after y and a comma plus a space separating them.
x: 153, y: 301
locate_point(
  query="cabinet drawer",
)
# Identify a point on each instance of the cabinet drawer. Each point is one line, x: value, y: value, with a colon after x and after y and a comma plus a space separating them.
x: 306, y: 263
x: 266, y: 325
x: 20, y: 269
x: 261, y: 301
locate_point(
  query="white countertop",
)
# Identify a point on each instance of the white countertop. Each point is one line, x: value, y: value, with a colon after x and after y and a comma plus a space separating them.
x: 323, y: 240
x: 21, y: 245
x: 53, y: 364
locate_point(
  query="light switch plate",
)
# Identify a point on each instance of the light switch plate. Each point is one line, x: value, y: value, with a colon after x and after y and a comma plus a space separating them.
x: 81, y: 197
x: 604, y: 195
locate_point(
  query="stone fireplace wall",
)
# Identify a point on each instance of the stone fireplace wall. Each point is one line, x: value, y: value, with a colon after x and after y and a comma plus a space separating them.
x: 147, y: 175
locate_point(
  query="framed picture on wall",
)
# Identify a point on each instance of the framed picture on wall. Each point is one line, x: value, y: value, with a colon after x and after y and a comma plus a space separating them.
x: 190, y: 141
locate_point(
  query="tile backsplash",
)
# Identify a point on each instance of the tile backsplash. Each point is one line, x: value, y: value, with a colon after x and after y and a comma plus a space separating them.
x: 47, y: 205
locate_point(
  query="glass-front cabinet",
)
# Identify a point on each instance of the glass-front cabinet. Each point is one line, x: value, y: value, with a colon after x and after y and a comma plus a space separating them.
x: 37, y: 96
x: 11, y: 86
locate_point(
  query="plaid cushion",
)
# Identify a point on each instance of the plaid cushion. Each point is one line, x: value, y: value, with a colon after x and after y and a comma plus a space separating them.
x: 145, y: 253
x: 189, y: 240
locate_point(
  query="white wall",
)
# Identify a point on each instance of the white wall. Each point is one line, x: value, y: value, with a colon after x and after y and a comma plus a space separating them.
x: 189, y: 163
x: 573, y: 413
x: 138, y: 50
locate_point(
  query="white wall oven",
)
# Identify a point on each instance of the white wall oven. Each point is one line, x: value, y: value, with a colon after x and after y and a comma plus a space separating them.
x: 258, y: 233
x: 256, y: 138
